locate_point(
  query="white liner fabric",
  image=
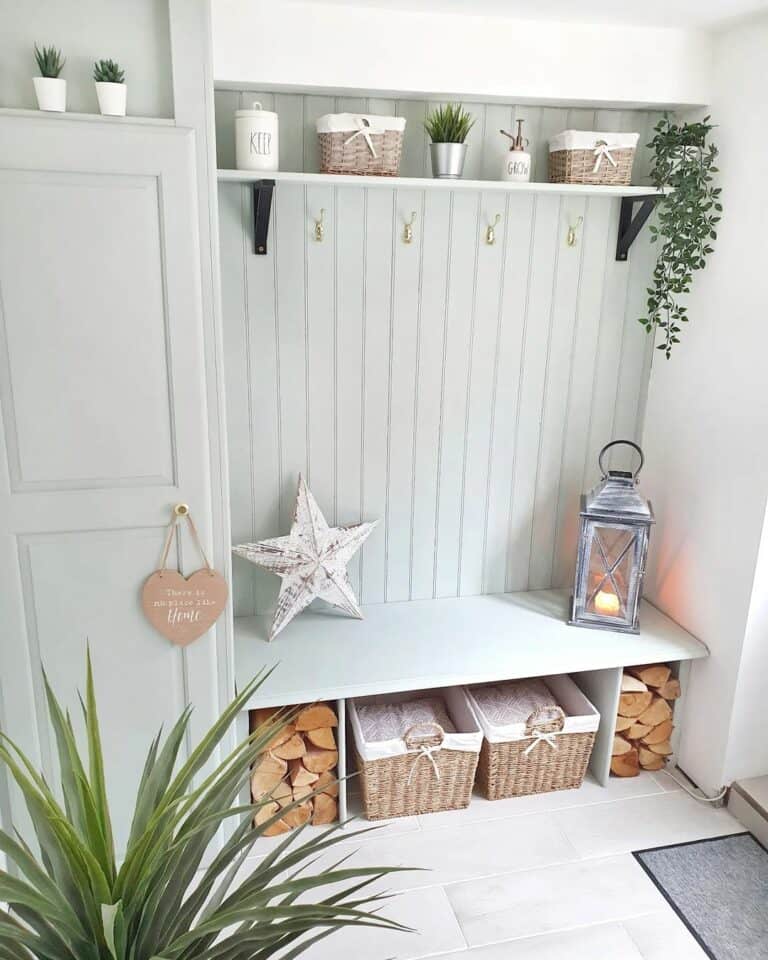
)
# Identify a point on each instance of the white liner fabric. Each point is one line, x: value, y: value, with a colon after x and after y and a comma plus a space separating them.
x: 388, y: 721
x: 580, y: 715
x: 352, y: 122
x: 512, y: 701
x: 467, y: 738
x: 588, y: 139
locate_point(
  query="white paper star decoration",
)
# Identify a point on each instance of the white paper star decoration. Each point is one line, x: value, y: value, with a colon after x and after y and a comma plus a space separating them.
x: 312, y: 561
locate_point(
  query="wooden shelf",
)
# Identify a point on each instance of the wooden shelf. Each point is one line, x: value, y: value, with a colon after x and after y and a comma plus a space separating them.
x: 84, y: 117
x: 426, y: 183
x: 433, y: 643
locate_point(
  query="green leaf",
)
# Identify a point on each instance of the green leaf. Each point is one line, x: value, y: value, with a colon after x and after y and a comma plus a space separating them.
x: 96, y: 771
x: 111, y: 914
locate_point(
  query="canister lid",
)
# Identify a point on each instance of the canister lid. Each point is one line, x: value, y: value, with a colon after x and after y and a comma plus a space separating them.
x: 255, y: 111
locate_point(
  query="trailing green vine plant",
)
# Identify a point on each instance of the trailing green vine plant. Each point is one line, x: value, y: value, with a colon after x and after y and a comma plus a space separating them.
x: 684, y: 161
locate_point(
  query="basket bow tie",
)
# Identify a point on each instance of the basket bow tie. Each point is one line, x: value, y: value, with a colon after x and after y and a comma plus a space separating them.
x: 540, y: 736
x: 425, y: 751
x: 603, y: 150
x: 364, y: 132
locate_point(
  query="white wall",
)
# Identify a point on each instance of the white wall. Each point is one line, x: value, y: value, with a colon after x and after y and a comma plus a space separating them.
x: 429, y: 53
x: 748, y: 744
x: 705, y: 434
x: 135, y: 34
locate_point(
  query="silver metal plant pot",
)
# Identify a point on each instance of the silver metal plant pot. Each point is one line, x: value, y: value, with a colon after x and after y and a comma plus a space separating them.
x: 447, y: 160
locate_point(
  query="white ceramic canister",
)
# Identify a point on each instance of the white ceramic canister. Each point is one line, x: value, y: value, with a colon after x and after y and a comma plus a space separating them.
x: 256, y: 139
x: 517, y: 161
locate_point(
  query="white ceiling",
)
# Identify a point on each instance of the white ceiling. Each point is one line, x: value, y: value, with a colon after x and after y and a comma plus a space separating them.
x: 659, y: 13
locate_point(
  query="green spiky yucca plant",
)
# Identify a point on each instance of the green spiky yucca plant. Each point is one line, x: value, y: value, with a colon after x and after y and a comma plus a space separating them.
x: 107, y: 71
x: 449, y: 124
x: 75, y: 902
x: 50, y: 62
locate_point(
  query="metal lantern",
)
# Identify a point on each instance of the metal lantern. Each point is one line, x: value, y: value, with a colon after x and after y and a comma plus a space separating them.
x: 613, y: 544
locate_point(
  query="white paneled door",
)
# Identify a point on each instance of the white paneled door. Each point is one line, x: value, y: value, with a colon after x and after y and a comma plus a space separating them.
x: 102, y: 398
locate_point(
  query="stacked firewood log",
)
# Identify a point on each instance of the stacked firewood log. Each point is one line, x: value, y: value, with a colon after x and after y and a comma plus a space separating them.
x: 644, y: 724
x: 300, y: 761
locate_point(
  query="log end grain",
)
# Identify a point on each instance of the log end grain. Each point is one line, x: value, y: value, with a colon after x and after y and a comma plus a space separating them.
x: 626, y: 765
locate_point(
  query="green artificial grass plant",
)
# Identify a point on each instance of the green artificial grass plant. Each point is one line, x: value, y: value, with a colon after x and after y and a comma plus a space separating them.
x: 449, y: 124
x: 75, y: 901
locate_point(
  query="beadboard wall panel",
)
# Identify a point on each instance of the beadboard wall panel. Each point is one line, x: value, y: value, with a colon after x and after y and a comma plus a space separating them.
x: 457, y: 391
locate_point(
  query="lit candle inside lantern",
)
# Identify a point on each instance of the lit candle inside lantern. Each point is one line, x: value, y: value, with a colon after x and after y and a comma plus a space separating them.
x: 607, y: 603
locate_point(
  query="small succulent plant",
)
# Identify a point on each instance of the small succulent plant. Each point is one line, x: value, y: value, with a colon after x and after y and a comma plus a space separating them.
x: 50, y: 62
x: 107, y: 71
x: 449, y: 124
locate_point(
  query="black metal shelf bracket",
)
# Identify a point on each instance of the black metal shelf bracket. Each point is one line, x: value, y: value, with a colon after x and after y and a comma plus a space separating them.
x: 262, y: 208
x: 631, y: 223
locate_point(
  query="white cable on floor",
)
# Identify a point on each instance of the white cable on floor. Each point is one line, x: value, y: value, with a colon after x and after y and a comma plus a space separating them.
x: 690, y: 793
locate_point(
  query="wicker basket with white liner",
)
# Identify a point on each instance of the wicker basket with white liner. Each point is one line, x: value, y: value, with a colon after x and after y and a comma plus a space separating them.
x: 589, y: 156
x: 538, y: 735
x: 416, y: 752
x: 362, y: 144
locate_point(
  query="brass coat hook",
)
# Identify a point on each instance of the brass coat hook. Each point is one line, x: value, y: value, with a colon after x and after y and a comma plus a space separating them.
x: 408, y: 228
x: 490, y: 233
x: 571, y: 238
x: 319, y: 230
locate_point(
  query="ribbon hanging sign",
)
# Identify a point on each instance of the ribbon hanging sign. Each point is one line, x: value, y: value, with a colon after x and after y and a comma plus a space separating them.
x: 183, y: 608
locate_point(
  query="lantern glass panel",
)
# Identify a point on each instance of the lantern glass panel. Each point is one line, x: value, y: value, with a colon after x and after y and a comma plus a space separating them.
x: 609, y: 574
x: 610, y: 581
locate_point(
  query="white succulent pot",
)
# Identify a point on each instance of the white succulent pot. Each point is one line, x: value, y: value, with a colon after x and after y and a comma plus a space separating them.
x: 51, y: 93
x: 112, y: 98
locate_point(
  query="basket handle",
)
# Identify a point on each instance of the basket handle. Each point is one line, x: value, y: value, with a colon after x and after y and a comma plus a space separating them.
x: 421, y: 733
x: 549, y: 718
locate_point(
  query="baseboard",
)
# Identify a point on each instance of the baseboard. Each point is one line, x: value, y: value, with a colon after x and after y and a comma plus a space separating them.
x: 748, y: 802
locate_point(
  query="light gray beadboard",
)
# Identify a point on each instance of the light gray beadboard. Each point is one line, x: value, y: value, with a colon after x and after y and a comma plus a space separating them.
x: 457, y: 391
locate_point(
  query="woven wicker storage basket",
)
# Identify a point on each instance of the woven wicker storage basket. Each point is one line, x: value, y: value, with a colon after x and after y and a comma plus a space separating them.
x: 426, y: 774
x: 577, y: 156
x: 366, y: 146
x: 543, y: 756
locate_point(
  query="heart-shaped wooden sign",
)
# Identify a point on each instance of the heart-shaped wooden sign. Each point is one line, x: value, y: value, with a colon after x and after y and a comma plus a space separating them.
x: 183, y: 608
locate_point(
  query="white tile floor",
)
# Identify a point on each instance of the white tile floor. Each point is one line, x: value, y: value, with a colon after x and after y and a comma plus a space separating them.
x: 545, y: 877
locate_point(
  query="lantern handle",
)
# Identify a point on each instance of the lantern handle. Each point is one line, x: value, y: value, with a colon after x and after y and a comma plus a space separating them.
x: 615, y: 443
